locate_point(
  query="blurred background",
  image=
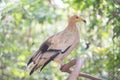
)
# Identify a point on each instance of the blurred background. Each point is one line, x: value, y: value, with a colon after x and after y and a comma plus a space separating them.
x: 25, y: 24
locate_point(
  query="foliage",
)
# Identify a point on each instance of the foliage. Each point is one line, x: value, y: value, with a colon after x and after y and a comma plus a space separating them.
x: 25, y: 24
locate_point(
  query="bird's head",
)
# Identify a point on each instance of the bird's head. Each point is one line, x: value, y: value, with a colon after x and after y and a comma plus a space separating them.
x: 75, y: 19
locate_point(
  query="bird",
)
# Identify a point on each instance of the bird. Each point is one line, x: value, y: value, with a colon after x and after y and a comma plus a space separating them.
x: 57, y: 47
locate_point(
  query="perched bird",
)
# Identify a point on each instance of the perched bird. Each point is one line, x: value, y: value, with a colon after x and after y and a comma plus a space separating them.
x: 56, y: 47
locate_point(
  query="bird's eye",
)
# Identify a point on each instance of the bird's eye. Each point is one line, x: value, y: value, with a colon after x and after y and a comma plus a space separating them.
x: 77, y: 17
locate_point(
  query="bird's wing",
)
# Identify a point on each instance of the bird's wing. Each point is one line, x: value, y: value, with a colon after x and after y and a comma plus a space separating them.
x: 49, y: 50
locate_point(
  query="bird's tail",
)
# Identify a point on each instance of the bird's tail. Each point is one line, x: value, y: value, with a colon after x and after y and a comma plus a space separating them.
x: 35, y: 62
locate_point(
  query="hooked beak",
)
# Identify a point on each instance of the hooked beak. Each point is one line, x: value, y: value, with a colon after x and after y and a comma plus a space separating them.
x: 81, y: 19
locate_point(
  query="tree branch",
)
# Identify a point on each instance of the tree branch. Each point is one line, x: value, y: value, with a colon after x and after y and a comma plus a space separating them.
x: 75, y: 73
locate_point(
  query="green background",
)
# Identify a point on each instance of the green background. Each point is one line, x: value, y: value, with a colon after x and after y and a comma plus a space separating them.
x: 25, y: 24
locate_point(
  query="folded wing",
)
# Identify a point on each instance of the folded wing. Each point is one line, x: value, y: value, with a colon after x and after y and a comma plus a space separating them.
x: 48, y: 51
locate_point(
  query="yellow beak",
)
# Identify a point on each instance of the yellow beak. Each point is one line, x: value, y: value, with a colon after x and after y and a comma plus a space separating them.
x: 81, y: 19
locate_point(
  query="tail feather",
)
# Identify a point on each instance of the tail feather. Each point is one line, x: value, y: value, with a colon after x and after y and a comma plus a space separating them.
x: 31, y: 58
x: 35, y: 62
x: 32, y: 70
x: 37, y: 65
x: 29, y: 61
x: 39, y: 60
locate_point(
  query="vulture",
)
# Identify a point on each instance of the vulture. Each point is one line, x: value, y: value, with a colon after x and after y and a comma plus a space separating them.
x: 57, y: 47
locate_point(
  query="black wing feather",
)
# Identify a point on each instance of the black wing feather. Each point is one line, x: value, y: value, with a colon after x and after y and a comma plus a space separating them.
x: 43, y: 48
x: 54, y: 56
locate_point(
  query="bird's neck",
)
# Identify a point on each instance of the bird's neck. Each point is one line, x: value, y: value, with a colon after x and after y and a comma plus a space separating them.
x: 72, y: 27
